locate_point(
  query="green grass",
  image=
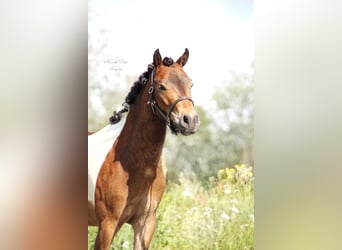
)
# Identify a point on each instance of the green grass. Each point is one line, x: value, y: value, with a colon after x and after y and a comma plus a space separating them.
x: 194, y: 217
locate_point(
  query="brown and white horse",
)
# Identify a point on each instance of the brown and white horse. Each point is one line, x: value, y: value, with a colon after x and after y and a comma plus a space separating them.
x: 125, y: 158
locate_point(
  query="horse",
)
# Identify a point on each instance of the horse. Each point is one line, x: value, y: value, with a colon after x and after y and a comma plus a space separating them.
x: 131, y: 181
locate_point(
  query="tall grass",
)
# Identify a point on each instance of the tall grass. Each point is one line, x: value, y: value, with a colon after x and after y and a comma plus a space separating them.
x: 194, y: 217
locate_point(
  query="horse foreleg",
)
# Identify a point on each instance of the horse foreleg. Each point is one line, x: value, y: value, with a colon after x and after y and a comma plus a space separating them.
x: 105, y: 234
x: 143, y: 232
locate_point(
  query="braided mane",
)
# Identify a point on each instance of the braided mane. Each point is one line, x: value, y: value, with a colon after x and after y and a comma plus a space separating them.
x: 135, y: 91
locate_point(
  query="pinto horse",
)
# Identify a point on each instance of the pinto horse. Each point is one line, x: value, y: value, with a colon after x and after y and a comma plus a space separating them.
x: 130, y: 180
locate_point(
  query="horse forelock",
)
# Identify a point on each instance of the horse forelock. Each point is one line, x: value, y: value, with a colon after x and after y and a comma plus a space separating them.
x: 167, y: 61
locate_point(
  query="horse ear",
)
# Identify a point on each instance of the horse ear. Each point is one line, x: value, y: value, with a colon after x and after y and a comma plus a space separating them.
x: 184, y: 58
x: 157, y: 59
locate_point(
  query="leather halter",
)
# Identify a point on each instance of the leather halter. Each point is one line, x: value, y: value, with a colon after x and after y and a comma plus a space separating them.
x: 155, y: 107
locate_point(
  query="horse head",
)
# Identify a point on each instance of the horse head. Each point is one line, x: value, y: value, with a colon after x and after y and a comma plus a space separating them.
x: 170, y: 94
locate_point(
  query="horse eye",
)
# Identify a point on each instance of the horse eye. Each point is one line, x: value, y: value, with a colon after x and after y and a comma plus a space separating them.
x: 161, y: 87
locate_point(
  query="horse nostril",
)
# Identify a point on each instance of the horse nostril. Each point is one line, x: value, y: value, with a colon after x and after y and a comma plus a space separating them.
x: 186, y: 119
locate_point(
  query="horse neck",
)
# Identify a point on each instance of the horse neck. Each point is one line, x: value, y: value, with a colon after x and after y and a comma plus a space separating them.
x: 144, y: 132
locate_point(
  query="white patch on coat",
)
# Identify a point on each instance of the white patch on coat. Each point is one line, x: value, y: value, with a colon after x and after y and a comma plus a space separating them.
x: 99, y: 145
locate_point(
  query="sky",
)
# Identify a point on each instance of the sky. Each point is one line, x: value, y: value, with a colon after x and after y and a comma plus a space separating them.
x: 219, y: 35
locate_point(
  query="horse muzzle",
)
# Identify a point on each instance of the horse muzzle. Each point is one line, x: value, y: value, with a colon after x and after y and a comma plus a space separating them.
x: 185, y: 124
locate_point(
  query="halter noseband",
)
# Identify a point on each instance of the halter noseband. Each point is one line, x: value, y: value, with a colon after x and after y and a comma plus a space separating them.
x: 155, y: 107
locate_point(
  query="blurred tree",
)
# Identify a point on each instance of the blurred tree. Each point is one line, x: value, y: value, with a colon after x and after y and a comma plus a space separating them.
x: 189, y: 154
x: 233, y: 123
x: 107, y: 87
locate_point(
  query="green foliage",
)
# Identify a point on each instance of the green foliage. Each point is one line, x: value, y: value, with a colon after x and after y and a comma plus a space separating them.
x: 194, y: 217
x: 233, y: 123
x: 237, y: 174
x: 189, y: 154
